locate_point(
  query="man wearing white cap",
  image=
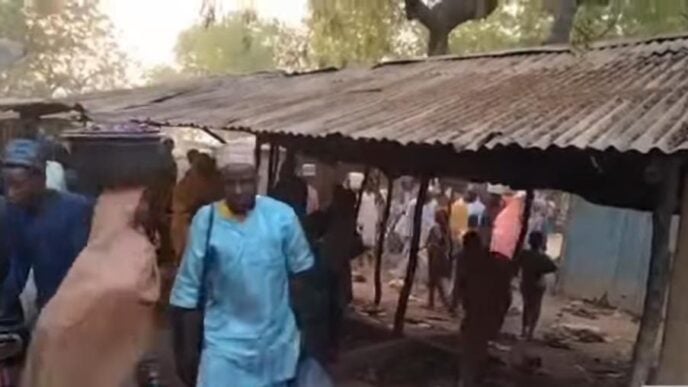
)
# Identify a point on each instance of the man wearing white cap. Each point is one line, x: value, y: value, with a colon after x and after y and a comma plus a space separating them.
x: 240, y: 254
x: 308, y: 173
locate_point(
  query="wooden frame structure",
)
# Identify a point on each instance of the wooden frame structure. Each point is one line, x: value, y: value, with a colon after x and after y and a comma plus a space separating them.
x: 659, y: 184
x: 621, y: 141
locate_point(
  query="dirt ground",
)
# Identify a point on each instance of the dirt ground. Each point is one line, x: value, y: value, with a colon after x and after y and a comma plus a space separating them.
x: 577, y: 344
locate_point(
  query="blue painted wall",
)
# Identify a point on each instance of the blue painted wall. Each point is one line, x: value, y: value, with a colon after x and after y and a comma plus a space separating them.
x: 606, y: 254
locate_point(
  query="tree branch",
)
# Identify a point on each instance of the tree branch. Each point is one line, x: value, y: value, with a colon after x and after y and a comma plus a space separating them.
x: 444, y: 16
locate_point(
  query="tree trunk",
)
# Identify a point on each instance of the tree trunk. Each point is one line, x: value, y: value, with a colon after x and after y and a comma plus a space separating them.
x: 444, y: 16
x: 673, y: 360
x: 380, y: 246
x: 644, y: 353
x: 413, y: 258
x: 438, y: 43
x: 563, y: 22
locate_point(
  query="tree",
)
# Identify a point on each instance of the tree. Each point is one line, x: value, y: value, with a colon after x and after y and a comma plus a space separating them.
x: 69, y: 52
x: 513, y: 24
x: 443, y: 16
x: 564, y: 15
x: 346, y: 32
x: 584, y: 21
x: 240, y: 43
x: 164, y: 74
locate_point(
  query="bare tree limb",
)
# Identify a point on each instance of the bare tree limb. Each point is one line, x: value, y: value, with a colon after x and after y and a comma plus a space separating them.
x: 418, y: 10
x: 444, y: 16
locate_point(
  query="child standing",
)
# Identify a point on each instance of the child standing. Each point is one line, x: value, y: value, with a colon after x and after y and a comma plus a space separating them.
x: 438, y: 247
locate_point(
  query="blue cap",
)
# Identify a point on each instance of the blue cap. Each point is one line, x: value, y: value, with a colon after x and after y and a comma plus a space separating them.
x: 25, y: 153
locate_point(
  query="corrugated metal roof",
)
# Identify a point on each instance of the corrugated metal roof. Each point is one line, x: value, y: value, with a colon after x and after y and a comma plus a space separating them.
x: 629, y: 96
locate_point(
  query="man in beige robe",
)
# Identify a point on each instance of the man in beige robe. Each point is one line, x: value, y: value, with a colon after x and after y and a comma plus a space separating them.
x: 101, y: 320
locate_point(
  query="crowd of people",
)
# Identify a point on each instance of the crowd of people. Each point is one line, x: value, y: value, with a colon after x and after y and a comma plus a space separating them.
x: 473, y: 255
x: 257, y: 285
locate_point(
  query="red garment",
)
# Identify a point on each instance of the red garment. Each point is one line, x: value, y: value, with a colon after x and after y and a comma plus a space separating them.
x: 507, y: 228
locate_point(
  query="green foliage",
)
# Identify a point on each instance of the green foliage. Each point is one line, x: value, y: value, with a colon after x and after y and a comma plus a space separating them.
x: 346, y: 32
x: 71, y: 52
x: 164, y: 74
x: 12, y: 21
x: 240, y: 43
x: 366, y: 31
x: 629, y: 18
x: 514, y: 24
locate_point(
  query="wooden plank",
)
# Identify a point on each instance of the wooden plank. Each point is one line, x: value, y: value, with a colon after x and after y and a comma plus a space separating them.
x: 272, y: 172
x: 673, y: 363
x: 645, y: 353
x: 413, y: 258
x: 380, y: 246
x: 257, y: 153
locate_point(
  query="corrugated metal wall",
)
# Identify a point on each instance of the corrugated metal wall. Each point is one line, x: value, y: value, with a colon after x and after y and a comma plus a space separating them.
x: 606, y: 254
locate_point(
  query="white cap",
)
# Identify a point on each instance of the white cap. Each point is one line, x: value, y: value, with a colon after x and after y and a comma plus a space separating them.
x: 308, y: 170
x: 236, y: 152
x: 497, y: 189
x: 355, y: 180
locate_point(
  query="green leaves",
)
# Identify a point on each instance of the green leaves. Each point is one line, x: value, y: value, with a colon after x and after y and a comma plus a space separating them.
x: 355, y: 32
x: 70, y: 52
x: 628, y: 18
x: 239, y: 43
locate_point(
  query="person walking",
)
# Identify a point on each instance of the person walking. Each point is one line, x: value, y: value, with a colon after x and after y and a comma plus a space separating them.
x: 534, y: 264
x: 80, y: 338
x: 439, y: 267
x: 237, y: 266
x: 45, y: 230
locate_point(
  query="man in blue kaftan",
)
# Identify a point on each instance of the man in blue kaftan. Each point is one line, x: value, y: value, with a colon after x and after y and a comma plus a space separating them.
x: 44, y: 230
x: 239, y: 259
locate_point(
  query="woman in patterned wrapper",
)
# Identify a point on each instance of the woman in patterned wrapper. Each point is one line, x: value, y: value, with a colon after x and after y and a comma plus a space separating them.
x: 82, y: 338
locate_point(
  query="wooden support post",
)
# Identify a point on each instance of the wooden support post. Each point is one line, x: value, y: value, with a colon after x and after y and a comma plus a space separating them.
x: 214, y: 135
x: 276, y: 164
x: 359, y: 199
x: 380, y: 247
x: 525, y: 217
x: 258, y: 153
x: 413, y: 258
x: 272, y: 173
x: 644, y: 353
x: 673, y: 362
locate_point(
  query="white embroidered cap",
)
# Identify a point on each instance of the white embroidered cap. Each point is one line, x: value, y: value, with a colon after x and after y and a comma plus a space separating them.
x: 236, y: 152
x: 308, y: 170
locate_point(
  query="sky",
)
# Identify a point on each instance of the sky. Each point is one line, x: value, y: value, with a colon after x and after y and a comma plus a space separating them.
x: 148, y: 29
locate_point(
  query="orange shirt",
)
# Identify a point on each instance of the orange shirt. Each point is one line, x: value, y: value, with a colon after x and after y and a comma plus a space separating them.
x: 458, y: 221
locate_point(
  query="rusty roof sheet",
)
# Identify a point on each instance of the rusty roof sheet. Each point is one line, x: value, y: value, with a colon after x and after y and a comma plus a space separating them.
x: 628, y: 96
